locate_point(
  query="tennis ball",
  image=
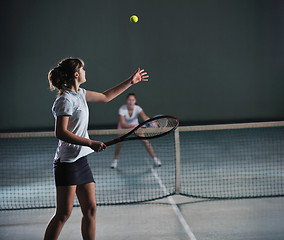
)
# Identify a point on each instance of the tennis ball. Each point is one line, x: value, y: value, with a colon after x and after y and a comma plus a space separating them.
x: 134, y: 19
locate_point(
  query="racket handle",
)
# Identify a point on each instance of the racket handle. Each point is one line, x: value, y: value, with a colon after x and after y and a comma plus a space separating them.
x: 111, y: 142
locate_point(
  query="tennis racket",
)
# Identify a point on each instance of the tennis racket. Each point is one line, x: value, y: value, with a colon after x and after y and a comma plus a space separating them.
x: 163, y: 122
x: 152, y: 128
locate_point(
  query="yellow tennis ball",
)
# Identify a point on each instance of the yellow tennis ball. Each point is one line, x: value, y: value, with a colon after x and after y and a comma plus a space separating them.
x: 134, y: 19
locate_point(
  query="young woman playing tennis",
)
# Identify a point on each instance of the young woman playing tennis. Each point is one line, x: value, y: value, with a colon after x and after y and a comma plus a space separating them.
x: 128, y: 118
x: 71, y: 170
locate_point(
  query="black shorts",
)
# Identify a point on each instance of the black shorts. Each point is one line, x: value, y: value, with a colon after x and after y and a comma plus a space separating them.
x: 76, y: 173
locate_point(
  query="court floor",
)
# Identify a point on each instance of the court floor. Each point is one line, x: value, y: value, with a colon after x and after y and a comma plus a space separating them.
x: 249, y: 219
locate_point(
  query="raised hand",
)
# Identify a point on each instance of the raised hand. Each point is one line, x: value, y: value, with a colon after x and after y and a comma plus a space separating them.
x: 138, y: 76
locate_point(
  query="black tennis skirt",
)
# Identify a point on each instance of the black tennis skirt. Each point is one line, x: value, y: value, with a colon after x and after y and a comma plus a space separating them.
x: 76, y: 173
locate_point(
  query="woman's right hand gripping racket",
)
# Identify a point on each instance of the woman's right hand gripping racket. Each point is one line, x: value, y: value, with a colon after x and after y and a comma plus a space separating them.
x: 152, y: 128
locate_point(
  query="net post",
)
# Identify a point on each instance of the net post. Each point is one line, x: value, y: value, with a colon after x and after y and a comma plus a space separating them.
x: 177, y: 161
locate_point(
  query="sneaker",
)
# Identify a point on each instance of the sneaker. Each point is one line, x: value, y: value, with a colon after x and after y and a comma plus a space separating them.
x: 157, y: 162
x: 114, y: 164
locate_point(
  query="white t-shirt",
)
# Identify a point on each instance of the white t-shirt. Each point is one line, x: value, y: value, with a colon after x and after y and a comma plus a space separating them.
x: 74, y: 105
x: 133, y: 119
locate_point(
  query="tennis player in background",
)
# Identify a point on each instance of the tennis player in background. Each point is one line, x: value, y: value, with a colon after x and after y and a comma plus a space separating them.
x: 128, y: 118
x: 71, y: 169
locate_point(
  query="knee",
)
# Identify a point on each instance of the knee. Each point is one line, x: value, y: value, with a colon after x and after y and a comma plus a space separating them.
x: 90, y: 212
x: 93, y: 210
x: 63, y: 216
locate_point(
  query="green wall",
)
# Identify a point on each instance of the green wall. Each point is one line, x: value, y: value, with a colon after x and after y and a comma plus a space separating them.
x: 209, y: 61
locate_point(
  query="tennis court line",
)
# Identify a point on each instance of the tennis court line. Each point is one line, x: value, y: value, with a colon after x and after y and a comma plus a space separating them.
x: 173, y: 204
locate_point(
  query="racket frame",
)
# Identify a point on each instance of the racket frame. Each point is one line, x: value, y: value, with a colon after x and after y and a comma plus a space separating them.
x: 126, y: 138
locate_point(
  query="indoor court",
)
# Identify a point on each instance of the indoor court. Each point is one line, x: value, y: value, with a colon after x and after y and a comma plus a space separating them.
x: 215, y: 65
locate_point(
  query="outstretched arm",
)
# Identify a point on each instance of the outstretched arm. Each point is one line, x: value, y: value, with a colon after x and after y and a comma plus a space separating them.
x: 108, y: 95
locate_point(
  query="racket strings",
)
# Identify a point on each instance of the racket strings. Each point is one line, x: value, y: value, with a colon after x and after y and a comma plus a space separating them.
x: 156, y: 127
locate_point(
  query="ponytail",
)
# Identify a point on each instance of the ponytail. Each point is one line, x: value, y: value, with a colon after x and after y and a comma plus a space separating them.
x: 62, y: 76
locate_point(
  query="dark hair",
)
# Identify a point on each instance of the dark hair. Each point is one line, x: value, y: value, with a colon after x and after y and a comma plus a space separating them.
x: 62, y: 76
x: 130, y: 94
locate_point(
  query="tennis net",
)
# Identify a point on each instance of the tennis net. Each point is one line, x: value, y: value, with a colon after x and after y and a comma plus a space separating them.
x: 215, y: 161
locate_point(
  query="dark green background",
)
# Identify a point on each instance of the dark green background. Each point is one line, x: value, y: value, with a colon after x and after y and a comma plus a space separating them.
x: 209, y: 61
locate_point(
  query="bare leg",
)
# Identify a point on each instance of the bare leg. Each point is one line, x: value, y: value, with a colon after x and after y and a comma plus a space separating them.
x: 117, y: 151
x: 64, y: 205
x: 149, y: 148
x: 87, y: 198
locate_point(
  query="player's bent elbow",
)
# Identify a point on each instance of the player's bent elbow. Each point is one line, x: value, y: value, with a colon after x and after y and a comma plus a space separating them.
x: 106, y: 100
x: 103, y: 100
x: 60, y: 134
x: 106, y: 97
x: 57, y: 135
